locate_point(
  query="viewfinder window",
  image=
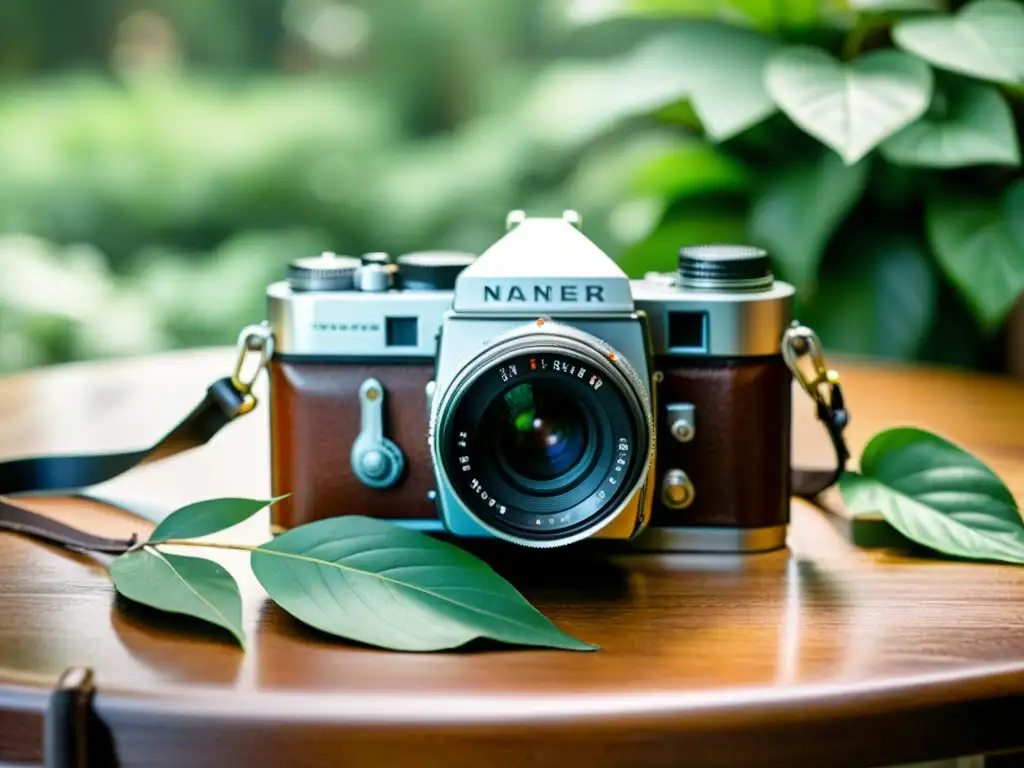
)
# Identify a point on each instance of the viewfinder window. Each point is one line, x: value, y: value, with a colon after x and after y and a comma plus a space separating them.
x: 688, y: 330
x: 400, y: 331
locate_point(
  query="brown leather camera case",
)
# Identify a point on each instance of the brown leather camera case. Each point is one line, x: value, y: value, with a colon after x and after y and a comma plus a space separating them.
x: 739, y: 458
x: 738, y: 461
x: 314, y: 419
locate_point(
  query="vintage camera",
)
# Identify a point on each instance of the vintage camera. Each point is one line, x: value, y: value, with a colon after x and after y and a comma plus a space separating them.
x: 536, y: 394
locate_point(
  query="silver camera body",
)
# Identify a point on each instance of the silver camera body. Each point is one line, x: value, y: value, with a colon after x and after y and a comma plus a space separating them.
x: 566, y: 401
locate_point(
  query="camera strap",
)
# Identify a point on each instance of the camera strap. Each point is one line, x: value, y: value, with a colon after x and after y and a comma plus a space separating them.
x: 231, y: 397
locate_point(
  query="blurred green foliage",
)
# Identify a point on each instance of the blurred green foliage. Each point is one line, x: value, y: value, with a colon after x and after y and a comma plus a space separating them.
x: 161, y: 161
x: 872, y: 146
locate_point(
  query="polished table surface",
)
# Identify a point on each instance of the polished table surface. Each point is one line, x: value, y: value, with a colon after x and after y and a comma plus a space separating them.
x: 818, y: 654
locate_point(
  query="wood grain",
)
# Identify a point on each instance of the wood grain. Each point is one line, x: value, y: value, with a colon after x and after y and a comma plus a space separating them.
x: 821, y: 654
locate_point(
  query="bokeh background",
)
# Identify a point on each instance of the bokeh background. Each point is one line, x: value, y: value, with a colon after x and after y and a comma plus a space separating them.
x: 162, y: 160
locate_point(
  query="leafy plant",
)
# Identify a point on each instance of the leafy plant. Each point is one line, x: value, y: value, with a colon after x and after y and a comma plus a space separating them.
x: 893, y: 124
x: 355, y: 577
x: 936, y: 494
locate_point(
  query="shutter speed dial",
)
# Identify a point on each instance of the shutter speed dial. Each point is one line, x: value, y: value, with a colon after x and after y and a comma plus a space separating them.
x: 326, y: 272
x: 432, y: 270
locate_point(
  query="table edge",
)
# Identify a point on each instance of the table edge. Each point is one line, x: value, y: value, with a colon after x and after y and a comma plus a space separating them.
x: 703, y: 706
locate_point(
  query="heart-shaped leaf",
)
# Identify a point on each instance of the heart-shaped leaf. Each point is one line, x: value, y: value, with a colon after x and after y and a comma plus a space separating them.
x: 984, y: 40
x: 979, y: 243
x: 722, y: 66
x: 972, y: 125
x: 373, y: 582
x: 798, y: 210
x: 936, y: 494
x: 206, y: 517
x: 849, y: 107
x: 193, y: 586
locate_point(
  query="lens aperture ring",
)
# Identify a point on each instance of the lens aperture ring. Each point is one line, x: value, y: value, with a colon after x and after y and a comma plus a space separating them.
x: 549, y: 354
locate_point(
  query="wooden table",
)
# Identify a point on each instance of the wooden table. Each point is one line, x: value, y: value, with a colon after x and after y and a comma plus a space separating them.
x: 820, y: 654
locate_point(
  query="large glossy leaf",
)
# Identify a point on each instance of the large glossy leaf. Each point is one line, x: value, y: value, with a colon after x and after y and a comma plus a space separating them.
x: 572, y: 103
x: 983, y: 40
x: 206, y: 517
x: 723, y: 68
x: 799, y: 208
x: 689, y: 167
x: 707, y: 222
x: 937, y: 494
x: 877, y: 295
x: 748, y: 13
x: 849, y: 107
x: 879, y: 6
x: 371, y: 581
x: 969, y: 124
x: 193, y: 586
x: 979, y: 243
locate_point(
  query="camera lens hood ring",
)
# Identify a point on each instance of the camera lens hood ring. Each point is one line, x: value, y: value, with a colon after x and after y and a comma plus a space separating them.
x: 547, y: 337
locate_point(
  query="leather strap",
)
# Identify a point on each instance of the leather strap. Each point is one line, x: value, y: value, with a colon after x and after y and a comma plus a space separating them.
x: 222, y: 403
x: 67, y: 728
x: 64, y: 474
x: 808, y: 483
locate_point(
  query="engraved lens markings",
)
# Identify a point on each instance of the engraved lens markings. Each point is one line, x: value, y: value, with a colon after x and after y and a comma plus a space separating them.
x: 463, y: 449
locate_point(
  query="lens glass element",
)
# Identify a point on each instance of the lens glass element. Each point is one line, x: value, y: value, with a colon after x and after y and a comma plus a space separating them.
x: 544, y: 444
x: 542, y: 433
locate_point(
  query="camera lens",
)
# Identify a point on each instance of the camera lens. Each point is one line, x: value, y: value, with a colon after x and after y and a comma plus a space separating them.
x: 544, y: 438
x: 542, y: 433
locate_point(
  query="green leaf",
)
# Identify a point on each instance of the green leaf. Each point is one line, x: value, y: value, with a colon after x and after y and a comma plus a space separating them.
x: 983, y: 40
x: 877, y: 294
x: 689, y: 167
x: 973, y: 125
x: 937, y: 494
x: 206, y: 517
x: 979, y: 243
x: 849, y: 107
x: 896, y: 5
x: 570, y: 104
x: 749, y: 13
x: 703, y: 222
x: 376, y: 583
x: 193, y: 586
x: 798, y: 210
x: 722, y: 68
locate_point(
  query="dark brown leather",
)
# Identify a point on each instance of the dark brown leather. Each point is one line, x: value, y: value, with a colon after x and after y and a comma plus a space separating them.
x: 69, y: 719
x: 314, y: 419
x: 739, y: 458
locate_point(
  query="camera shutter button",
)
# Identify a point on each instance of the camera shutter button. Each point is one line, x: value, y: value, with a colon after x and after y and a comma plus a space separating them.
x: 376, y: 460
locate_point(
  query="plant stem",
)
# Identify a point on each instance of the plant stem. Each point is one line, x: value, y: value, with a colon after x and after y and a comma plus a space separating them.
x: 854, y: 40
x: 211, y: 545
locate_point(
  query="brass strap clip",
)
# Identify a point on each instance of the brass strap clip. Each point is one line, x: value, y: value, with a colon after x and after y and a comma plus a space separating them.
x: 253, y: 339
x: 800, y: 343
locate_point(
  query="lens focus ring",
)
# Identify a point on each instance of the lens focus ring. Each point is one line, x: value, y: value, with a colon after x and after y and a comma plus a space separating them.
x: 615, y: 453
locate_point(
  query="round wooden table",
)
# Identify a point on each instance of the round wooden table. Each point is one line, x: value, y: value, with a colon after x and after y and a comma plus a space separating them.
x: 818, y: 654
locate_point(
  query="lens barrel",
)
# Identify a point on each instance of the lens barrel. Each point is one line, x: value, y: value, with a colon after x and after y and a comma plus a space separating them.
x: 544, y: 439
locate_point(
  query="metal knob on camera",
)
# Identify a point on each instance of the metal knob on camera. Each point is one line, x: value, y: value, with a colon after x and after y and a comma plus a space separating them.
x: 682, y: 423
x: 677, y: 491
x: 376, y: 460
